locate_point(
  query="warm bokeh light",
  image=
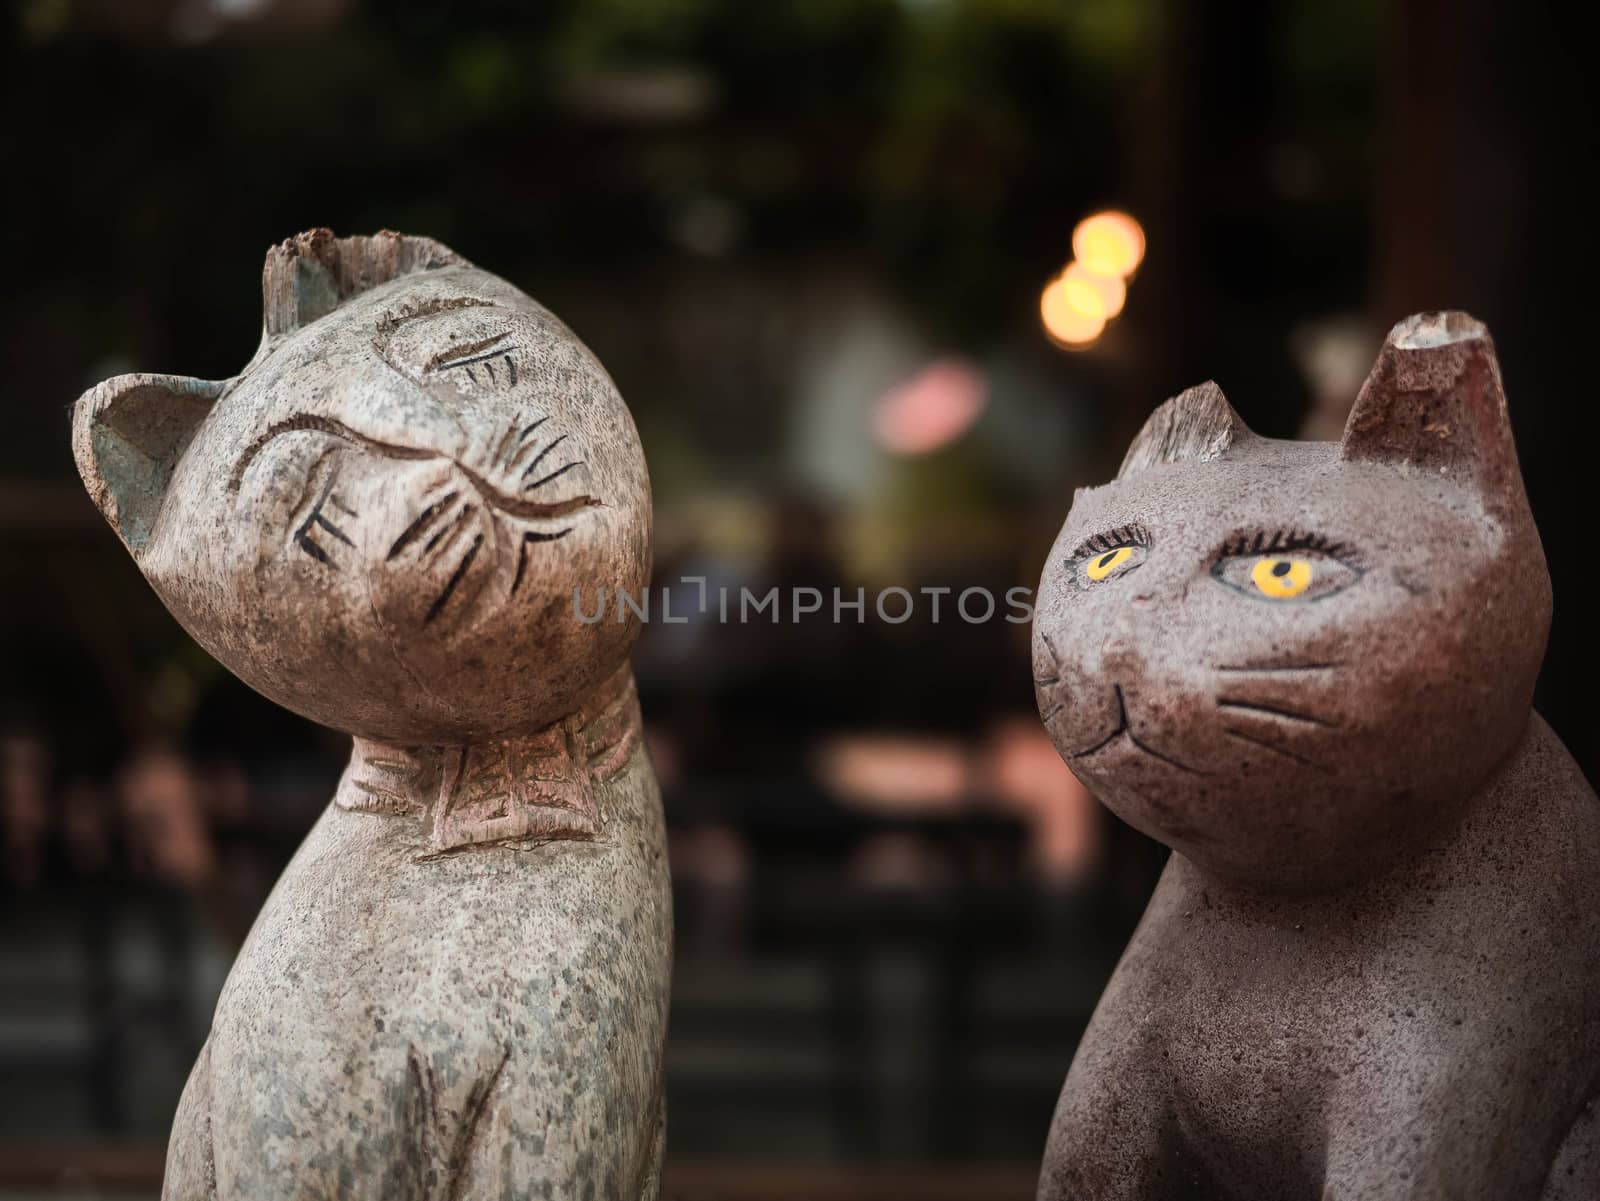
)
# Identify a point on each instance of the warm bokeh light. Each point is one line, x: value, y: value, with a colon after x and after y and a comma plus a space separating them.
x: 931, y: 409
x: 1109, y: 243
x: 1108, y: 291
x: 1082, y: 297
x: 1066, y: 323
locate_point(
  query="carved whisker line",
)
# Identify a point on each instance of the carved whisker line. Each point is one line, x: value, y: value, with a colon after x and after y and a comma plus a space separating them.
x: 1273, y: 711
x: 525, y: 445
x: 1052, y: 711
x: 1281, y: 666
x: 503, y: 447
x: 1055, y: 659
x: 447, y: 535
x: 557, y: 472
x: 413, y: 531
x: 455, y: 579
x: 1165, y: 758
x: 1048, y: 681
x: 522, y: 551
x: 511, y: 366
x: 1270, y: 746
x: 541, y: 455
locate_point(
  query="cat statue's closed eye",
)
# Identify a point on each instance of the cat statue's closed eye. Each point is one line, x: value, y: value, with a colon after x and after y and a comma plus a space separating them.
x: 458, y: 989
x: 1371, y: 968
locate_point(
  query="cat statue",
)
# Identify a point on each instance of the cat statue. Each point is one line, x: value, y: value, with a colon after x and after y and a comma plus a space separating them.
x: 1371, y: 968
x: 458, y: 989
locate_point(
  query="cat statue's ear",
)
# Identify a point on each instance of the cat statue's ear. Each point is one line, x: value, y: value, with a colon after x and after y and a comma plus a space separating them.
x: 1434, y: 401
x: 1197, y: 424
x: 127, y: 435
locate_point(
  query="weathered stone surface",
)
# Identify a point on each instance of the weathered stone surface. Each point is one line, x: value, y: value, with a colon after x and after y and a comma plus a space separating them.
x: 1372, y: 965
x: 459, y: 987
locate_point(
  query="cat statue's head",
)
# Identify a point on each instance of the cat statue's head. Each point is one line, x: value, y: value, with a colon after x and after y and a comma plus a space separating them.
x: 1291, y: 661
x: 381, y: 521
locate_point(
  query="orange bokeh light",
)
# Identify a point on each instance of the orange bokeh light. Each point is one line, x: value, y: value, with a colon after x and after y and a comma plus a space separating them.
x: 1109, y: 292
x: 1064, y: 320
x: 1109, y: 244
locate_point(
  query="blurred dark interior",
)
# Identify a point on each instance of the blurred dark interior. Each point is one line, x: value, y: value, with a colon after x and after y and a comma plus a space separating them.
x: 808, y: 238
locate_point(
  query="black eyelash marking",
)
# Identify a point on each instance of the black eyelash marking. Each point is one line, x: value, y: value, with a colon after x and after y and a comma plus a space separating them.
x: 1124, y: 535
x: 312, y: 549
x: 318, y: 518
x: 455, y: 579
x: 551, y: 476
x: 542, y: 454
x: 415, y: 529
x: 462, y: 356
x: 1264, y: 543
x: 522, y: 551
x: 323, y: 521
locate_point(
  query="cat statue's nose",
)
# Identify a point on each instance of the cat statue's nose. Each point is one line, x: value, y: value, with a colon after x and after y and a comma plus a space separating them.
x: 1117, y: 654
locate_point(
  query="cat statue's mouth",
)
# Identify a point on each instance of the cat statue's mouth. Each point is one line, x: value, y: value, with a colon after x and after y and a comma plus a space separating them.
x: 1124, y: 734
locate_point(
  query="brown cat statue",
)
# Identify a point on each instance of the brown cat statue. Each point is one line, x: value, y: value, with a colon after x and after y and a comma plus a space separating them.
x: 458, y: 988
x: 1371, y: 968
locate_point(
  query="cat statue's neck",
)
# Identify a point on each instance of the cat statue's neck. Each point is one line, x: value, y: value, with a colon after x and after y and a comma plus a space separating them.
x: 520, y: 790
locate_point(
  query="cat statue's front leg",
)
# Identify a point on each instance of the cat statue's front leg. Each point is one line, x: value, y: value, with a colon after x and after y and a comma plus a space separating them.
x: 1112, y: 1137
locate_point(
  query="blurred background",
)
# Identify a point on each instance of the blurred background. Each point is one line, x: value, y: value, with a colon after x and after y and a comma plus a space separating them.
x: 823, y: 246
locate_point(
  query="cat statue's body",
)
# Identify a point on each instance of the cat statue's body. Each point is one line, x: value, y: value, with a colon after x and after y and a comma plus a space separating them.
x: 458, y: 989
x: 1371, y: 968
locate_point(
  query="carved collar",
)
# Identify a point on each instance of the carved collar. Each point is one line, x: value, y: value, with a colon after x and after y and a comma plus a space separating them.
x: 524, y: 790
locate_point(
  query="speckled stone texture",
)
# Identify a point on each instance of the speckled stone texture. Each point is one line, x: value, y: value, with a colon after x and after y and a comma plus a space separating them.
x: 1371, y: 968
x: 459, y: 987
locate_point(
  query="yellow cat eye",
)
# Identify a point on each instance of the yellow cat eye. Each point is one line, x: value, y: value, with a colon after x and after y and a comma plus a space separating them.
x: 1281, y: 579
x: 1105, y: 563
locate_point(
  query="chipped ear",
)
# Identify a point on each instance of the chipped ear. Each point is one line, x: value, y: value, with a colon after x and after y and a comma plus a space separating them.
x: 127, y: 436
x: 1196, y: 425
x: 1434, y: 401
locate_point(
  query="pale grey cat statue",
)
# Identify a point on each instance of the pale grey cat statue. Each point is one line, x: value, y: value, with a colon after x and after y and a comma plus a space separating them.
x: 459, y: 987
